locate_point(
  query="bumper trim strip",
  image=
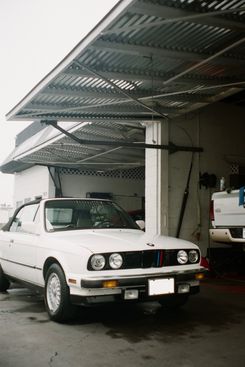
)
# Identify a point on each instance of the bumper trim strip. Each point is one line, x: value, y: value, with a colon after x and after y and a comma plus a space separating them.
x: 141, y: 280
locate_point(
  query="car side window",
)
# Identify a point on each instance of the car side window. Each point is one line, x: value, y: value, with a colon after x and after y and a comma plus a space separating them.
x: 25, y: 219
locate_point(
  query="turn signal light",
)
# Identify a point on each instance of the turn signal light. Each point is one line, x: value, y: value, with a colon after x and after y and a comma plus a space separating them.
x: 110, y: 284
x: 72, y: 281
x: 199, y: 276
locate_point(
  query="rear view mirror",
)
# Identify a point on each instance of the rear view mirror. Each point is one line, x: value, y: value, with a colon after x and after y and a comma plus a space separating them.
x: 141, y: 224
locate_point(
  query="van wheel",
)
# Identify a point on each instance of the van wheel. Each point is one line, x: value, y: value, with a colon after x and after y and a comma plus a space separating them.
x: 4, y: 282
x: 174, y: 302
x: 57, y: 296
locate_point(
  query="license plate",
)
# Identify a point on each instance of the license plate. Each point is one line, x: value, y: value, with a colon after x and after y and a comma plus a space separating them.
x: 243, y: 233
x: 160, y: 286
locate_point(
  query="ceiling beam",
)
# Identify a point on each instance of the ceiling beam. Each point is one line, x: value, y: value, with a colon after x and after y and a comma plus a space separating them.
x: 140, y: 94
x: 71, y: 92
x: 108, y: 109
x: 173, y: 15
x: 64, y: 164
x: 163, y: 53
x: 30, y: 116
x: 157, y: 78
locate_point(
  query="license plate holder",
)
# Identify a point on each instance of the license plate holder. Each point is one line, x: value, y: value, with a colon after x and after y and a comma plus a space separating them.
x: 160, y: 286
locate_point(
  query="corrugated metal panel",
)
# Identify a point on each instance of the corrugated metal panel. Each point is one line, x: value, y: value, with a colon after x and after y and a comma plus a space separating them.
x: 62, y: 151
x: 147, y: 59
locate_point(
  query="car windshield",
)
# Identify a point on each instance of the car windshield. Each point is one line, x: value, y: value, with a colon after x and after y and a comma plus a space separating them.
x: 73, y: 214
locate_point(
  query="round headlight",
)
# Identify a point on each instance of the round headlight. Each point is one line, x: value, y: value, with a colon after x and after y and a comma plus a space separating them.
x: 182, y: 257
x: 193, y: 256
x: 97, y: 262
x: 115, y: 261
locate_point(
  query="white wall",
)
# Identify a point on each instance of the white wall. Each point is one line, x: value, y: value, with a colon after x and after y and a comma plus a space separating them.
x: 36, y: 181
x: 126, y: 192
x: 32, y: 182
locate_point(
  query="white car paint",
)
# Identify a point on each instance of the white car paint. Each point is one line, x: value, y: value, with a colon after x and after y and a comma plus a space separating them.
x: 23, y: 255
x: 228, y: 224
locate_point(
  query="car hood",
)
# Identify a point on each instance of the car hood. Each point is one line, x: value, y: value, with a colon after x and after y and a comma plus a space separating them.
x: 115, y: 240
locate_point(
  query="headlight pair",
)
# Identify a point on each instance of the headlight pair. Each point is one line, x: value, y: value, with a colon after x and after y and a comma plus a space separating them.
x: 98, y: 262
x: 191, y: 256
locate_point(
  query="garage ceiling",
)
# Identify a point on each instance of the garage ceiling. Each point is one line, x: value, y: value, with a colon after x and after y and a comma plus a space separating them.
x: 147, y: 59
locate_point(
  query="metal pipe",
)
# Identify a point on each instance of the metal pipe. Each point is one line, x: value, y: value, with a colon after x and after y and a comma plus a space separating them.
x: 184, y: 200
x: 205, y: 61
x: 120, y: 90
x: 171, y: 147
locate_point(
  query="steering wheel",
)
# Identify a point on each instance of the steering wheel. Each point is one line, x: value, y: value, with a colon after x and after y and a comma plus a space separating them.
x: 103, y: 224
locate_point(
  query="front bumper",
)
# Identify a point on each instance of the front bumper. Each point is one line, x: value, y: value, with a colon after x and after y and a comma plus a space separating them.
x: 227, y: 235
x: 93, y: 291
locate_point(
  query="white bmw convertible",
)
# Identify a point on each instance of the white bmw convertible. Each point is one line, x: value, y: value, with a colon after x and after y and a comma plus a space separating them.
x: 87, y: 251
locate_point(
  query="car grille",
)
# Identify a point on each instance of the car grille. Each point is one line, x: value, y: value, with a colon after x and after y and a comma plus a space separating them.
x: 149, y: 259
x: 236, y: 232
x: 146, y: 259
x: 143, y: 259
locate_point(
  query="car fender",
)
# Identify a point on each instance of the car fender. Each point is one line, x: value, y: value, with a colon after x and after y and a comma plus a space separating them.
x: 70, y: 263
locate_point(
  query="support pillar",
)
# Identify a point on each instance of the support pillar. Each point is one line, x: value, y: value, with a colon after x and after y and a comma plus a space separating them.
x: 156, y: 179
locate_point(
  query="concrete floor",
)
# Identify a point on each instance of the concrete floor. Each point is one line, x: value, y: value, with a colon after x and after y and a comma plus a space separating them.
x: 208, y: 331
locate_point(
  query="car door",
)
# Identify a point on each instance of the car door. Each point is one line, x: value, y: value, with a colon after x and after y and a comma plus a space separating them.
x: 23, y: 236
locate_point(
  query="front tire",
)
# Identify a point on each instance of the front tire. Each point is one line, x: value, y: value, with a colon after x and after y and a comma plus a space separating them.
x: 57, y: 295
x: 4, y: 282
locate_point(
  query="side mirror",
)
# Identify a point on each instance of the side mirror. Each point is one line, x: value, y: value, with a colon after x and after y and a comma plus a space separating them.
x: 141, y: 224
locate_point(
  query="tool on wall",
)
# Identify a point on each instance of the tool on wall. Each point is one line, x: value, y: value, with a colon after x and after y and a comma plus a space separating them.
x: 207, y: 180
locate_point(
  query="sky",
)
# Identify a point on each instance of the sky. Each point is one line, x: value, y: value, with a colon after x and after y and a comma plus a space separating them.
x: 35, y: 35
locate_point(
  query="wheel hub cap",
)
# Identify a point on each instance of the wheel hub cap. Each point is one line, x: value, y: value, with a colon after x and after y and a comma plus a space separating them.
x: 53, y: 292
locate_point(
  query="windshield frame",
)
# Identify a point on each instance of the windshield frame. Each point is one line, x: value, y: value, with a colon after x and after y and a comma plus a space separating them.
x: 94, y: 207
